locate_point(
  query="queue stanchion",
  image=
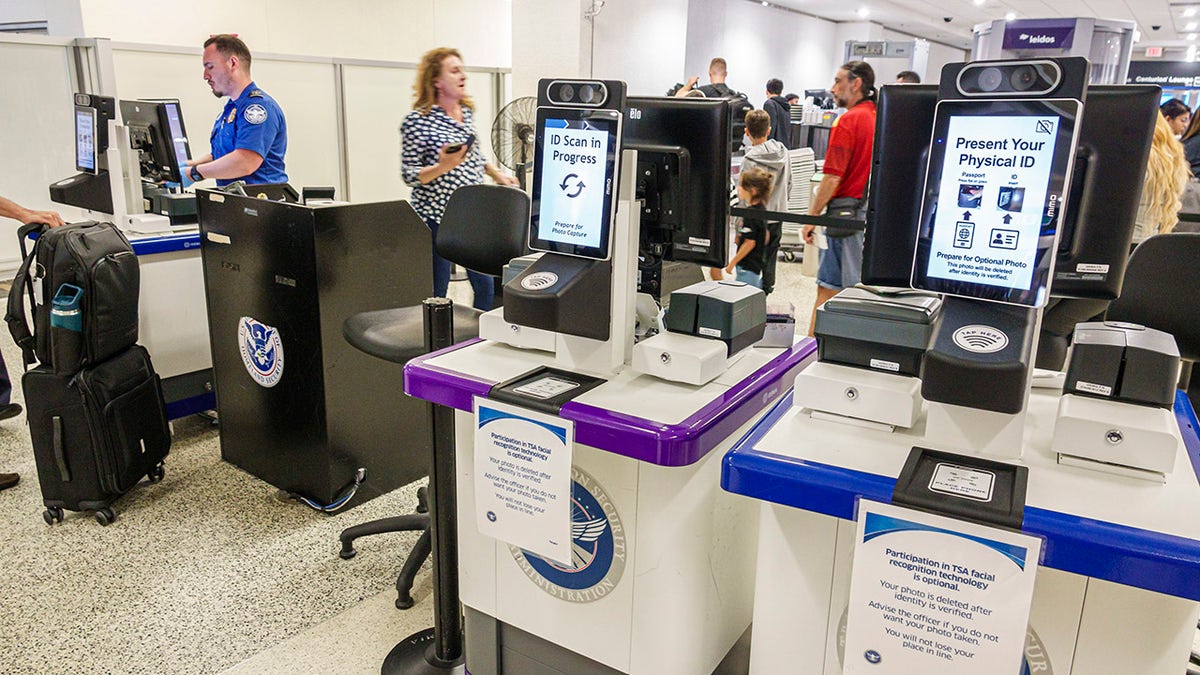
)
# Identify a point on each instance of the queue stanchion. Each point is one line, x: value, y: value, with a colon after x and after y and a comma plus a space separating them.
x: 438, y: 649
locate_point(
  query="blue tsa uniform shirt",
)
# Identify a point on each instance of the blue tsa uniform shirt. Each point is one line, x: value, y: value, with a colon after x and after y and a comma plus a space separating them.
x: 253, y: 121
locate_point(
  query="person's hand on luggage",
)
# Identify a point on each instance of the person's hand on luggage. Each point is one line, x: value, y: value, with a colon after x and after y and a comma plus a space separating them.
x: 806, y: 233
x: 50, y: 218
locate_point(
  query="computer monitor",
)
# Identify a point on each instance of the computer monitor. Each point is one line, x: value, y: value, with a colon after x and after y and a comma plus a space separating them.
x: 683, y: 176
x: 1110, y: 161
x: 821, y: 97
x: 156, y: 132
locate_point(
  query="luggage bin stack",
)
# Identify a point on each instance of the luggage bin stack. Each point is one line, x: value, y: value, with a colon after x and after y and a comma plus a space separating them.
x: 94, y: 403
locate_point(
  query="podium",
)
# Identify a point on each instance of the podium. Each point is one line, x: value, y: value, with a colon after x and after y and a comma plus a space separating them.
x: 299, y: 407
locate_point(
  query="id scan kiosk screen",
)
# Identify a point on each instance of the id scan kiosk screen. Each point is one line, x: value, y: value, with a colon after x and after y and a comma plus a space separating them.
x: 994, y: 194
x: 574, y: 187
x: 85, y: 139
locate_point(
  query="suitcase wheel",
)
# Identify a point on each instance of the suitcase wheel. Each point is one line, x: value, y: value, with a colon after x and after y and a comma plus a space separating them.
x: 156, y: 474
x: 52, y: 515
x: 105, y: 516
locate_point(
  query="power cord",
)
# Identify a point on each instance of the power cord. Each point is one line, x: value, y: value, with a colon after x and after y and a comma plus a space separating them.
x: 347, y: 493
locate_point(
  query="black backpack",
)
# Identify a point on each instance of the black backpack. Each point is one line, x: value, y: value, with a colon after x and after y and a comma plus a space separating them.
x: 82, y: 281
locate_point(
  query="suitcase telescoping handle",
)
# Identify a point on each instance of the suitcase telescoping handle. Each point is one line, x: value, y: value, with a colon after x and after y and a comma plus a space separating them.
x: 18, y: 325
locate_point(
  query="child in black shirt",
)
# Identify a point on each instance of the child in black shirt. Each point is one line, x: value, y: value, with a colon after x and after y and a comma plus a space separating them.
x: 754, y: 187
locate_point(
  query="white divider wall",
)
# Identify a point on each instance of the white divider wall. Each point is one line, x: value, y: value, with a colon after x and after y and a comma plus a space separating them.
x: 376, y: 100
x: 36, y: 130
x: 377, y: 97
x: 36, y: 126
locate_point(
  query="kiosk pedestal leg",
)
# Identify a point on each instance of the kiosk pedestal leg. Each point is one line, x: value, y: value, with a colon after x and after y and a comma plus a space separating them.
x: 438, y: 649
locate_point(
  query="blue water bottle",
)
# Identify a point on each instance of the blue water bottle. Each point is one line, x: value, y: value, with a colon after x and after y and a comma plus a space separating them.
x: 66, y: 330
x: 64, y: 308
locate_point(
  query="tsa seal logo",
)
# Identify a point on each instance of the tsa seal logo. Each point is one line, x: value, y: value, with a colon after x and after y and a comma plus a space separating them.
x: 262, y: 351
x: 597, y: 548
x: 255, y: 114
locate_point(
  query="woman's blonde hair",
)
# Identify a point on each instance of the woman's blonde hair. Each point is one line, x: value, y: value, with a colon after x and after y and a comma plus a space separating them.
x: 429, y: 70
x: 1167, y: 174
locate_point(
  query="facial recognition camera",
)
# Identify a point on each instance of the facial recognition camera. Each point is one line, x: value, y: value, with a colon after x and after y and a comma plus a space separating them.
x: 579, y: 93
x: 1009, y: 78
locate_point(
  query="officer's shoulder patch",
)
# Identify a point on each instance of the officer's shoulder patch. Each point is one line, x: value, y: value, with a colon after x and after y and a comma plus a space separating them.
x: 255, y: 114
x: 257, y: 93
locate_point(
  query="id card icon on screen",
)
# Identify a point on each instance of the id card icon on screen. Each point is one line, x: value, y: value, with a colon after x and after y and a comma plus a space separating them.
x: 1004, y: 239
x: 964, y: 234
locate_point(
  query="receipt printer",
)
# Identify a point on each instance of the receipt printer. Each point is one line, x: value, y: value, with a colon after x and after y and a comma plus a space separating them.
x: 882, y: 331
x: 1123, y: 362
x: 730, y: 311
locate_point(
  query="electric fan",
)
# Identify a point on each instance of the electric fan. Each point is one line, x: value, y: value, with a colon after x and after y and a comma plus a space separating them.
x: 513, y: 135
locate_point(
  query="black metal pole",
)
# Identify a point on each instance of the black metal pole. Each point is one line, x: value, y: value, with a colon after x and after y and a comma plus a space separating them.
x: 439, y: 650
x: 443, y: 507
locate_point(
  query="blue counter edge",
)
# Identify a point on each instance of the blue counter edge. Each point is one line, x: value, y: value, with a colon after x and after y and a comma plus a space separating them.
x: 638, y: 438
x: 1118, y: 553
x: 165, y: 243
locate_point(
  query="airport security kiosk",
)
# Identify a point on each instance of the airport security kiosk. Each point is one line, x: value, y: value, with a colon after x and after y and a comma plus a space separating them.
x: 130, y: 157
x: 986, y: 534
x: 593, y: 535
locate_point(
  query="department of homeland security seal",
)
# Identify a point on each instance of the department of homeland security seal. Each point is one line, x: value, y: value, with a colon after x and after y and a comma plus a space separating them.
x: 255, y: 114
x: 597, y: 547
x: 261, y: 350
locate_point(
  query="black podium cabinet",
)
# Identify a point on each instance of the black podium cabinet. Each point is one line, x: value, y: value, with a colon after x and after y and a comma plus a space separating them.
x: 299, y: 407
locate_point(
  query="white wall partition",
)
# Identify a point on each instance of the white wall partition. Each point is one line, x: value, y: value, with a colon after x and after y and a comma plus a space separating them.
x: 377, y: 98
x: 36, y: 128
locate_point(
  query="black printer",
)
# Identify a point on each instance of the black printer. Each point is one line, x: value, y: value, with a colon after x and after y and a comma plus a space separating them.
x: 730, y: 311
x: 880, y: 330
x: 1123, y: 362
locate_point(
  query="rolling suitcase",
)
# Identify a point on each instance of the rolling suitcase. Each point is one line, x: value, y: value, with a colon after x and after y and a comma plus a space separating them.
x: 97, y: 433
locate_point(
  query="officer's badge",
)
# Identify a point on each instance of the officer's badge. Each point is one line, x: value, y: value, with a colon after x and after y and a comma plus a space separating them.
x: 231, y: 116
x: 255, y: 114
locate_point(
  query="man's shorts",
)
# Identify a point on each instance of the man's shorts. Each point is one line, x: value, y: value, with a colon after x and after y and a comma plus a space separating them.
x: 841, y: 263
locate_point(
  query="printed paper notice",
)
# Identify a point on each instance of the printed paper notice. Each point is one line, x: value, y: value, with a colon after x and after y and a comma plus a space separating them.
x: 930, y: 594
x: 523, y: 478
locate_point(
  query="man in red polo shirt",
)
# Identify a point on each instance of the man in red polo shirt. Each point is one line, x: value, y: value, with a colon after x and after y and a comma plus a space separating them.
x: 847, y: 168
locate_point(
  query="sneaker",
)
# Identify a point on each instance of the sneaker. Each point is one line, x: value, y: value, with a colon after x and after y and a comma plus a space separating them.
x: 9, y: 411
x: 8, y: 480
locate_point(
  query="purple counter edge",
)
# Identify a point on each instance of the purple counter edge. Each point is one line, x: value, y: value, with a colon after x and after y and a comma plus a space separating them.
x: 1125, y: 555
x: 641, y: 439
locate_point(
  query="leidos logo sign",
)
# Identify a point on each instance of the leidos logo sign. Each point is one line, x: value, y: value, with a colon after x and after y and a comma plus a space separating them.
x: 597, y: 548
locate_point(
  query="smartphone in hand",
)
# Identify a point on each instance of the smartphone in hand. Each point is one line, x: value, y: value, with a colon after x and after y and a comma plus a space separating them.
x: 455, y: 147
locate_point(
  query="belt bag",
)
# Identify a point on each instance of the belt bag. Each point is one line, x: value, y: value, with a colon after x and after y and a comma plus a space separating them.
x: 843, y: 207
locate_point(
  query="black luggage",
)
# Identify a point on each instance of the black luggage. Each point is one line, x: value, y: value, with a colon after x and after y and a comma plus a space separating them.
x: 82, y: 282
x: 96, y: 433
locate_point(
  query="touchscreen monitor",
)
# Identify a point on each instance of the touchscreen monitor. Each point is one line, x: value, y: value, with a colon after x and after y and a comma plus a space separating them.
x: 85, y: 139
x: 574, y: 187
x: 994, y: 194
x: 179, y: 141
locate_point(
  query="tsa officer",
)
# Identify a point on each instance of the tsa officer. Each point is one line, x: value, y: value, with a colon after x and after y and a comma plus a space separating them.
x: 249, y: 137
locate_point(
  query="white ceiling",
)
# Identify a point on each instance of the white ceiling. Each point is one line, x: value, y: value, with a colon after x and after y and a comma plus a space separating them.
x: 928, y: 18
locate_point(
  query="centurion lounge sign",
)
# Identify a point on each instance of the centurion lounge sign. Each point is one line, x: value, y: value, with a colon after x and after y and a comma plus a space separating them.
x: 1167, y: 74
